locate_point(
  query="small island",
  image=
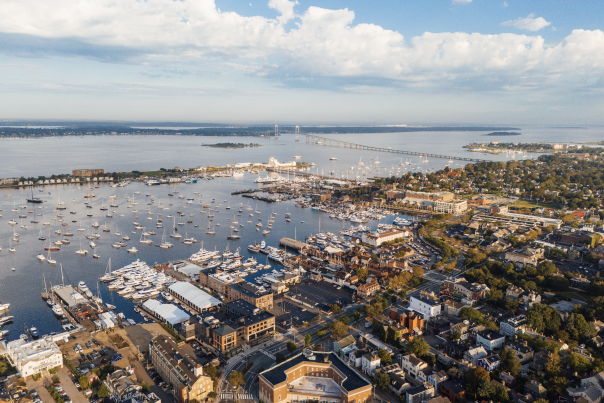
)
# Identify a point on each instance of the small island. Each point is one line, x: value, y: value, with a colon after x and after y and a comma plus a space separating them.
x: 231, y: 145
x: 503, y: 134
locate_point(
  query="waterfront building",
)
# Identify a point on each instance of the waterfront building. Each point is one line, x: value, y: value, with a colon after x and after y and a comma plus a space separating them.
x: 180, y: 370
x: 378, y: 238
x: 32, y: 357
x: 313, y: 376
x: 250, y: 293
x: 193, y: 297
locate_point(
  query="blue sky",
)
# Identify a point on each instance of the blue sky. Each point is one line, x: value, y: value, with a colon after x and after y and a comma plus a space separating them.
x: 390, y: 62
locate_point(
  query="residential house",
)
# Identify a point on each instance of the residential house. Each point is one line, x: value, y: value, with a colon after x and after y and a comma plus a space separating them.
x: 590, y: 393
x: 490, y: 363
x: 455, y: 349
x: 121, y: 387
x: 426, y: 304
x: 513, y: 292
x: 369, y: 363
x: 436, y: 378
x: 368, y: 289
x: 419, y: 393
x: 523, y: 351
x: 475, y: 354
x: 355, y: 357
x: 535, y: 389
x: 340, y: 345
x: 398, y: 385
x: 412, y: 365
x: 506, y: 377
x: 453, y: 389
x: 490, y: 339
x: 512, y: 326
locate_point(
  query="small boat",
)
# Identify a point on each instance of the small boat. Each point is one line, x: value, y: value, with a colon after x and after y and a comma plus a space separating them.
x: 95, y: 256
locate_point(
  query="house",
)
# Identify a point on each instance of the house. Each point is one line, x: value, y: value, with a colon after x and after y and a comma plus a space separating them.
x: 340, y: 345
x: 412, y: 365
x: 453, y: 308
x: 513, y: 325
x: 535, y: 389
x: 368, y: 289
x: 507, y: 378
x: 513, y: 292
x: 596, y: 380
x: 397, y: 384
x: 426, y: 304
x: 523, y: 351
x: 369, y: 363
x: 121, y: 387
x: 490, y: 339
x: 528, y: 298
x: 419, y: 393
x: 596, y: 341
x: 474, y: 354
x: 455, y: 349
x: 453, y: 389
x: 436, y: 378
x: 355, y: 357
x: 580, y: 282
x: 490, y: 363
x: 590, y: 393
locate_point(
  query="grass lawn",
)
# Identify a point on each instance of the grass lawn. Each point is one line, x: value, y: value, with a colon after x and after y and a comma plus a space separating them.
x: 573, y: 294
x: 523, y: 203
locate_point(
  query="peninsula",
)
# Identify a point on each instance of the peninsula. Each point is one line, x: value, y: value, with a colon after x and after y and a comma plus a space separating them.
x: 231, y: 145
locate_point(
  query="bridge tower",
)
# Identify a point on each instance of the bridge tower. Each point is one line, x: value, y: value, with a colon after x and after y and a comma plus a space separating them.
x: 276, y: 131
x: 297, y: 132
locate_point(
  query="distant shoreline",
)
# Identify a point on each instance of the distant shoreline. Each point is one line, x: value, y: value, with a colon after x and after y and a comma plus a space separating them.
x: 503, y: 134
x: 231, y: 145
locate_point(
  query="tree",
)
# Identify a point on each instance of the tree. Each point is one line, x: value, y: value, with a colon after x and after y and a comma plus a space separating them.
x: 361, y: 273
x: 307, y: 339
x: 211, y: 371
x: 144, y: 387
x: 83, y: 381
x: 485, y: 389
x: 510, y: 363
x: 357, y: 316
x: 345, y: 320
x: 556, y: 386
x: 455, y: 336
x: 578, y: 363
x: 236, y: 379
x: 382, y: 380
x: 338, y: 330
x: 335, y: 308
x: 212, y: 395
x: 291, y: 346
x: 471, y: 314
x: 418, y: 346
x: 553, y: 366
x: 280, y: 357
x: 475, y: 377
x: 542, y: 318
x: 103, y: 392
x: 321, y: 333
x: 402, y: 294
x: 385, y: 356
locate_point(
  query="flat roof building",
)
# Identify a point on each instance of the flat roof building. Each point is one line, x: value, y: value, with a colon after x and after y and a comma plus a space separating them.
x: 30, y: 358
x: 192, y: 296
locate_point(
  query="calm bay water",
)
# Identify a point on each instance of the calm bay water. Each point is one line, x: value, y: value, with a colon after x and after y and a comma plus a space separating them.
x: 47, y: 156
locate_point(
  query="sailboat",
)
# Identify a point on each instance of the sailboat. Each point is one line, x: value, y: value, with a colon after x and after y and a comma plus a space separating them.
x: 174, y: 234
x: 108, y: 276
x: 10, y: 246
x: 144, y: 239
x: 210, y: 231
x: 81, y: 251
x: 234, y: 237
x: 164, y: 244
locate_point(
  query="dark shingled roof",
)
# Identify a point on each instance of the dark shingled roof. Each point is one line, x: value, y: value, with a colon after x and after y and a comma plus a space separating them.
x: 276, y: 374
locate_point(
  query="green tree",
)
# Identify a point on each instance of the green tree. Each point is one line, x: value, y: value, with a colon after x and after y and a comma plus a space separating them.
x: 236, y: 379
x: 578, y: 362
x: 338, y: 330
x: 103, y: 392
x: 485, y: 389
x: 385, y: 357
x: 382, y: 380
x: 509, y: 362
x: 345, y: 320
x: 144, y: 387
x: 475, y: 377
x: 471, y: 314
x: 321, y: 333
x: 83, y: 381
x: 291, y: 346
x: 553, y: 365
x: 357, y: 316
x: 280, y: 357
x: 335, y: 308
x: 418, y: 346
x: 212, y: 395
x: 556, y: 386
x: 307, y: 339
x: 361, y: 273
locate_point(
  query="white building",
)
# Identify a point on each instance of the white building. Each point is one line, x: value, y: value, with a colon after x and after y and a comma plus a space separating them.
x: 412, y: 365
x: 451, y: 207
x: 273, y: 163
x: 30, y: 358
x: 369, y: 363
x: 426, y: 305
x: 378, y: 238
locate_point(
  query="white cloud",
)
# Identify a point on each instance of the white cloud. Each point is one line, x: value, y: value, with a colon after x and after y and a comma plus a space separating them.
x: 529, y: 23
x: 505, y: 4
x: 285, y: 8
x: 461, y: 1
x: 324, y: 44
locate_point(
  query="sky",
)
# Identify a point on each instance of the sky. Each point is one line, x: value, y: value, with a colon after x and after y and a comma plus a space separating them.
x: 511, y: 62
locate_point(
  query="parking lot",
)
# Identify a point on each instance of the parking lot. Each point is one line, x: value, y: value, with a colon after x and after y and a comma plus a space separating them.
x: 287, y: 314
x: 323, y: 293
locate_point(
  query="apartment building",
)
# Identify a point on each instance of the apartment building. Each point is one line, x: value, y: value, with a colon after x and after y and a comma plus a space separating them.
x: 250, y: 293
x: 180, y: 370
